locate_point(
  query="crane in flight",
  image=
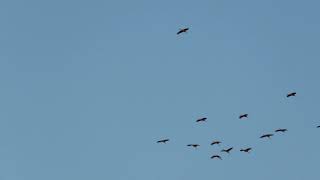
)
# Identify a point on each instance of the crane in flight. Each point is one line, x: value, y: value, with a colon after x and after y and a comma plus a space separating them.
x: 266, y: 136
x: 216, y: 156
x: 215, y: 142
x: 281, y: 130
x: 184, y: 30
x: 201, y: 120
x: 247, y: 150
x: 163, y: 141
x: 194, y: 145
x: 243, y: 116
x: 291, y: 94
x: 227, y: 150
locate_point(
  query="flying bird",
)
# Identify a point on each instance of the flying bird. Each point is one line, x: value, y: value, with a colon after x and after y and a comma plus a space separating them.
x: 318, y: 126
x: 193, y: 145
x: 227, y: 150
x: 281, y: 130
x: 216, y: 156
x: 163, y: 141
x: 291, y: 94
x: 215, y: 142
x: 201, y: 120
x: 266, y: 136
x: 184, y: 30
x: 243, y: 116
x: 246, y: 150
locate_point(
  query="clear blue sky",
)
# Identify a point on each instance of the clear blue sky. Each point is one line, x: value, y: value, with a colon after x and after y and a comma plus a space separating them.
x: 88, y: 87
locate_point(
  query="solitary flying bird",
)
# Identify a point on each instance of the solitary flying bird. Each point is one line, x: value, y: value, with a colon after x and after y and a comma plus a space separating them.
x: 318, y: 126
x: 163, y: 141
x: 266, y: 135
x: 281, y: 130
x: 201, y: 120
x: 184, y: 30
x: 227, y: 150
x: 246, y: 150
x: 243, y: 116
x: 193, y: 145
x: 291, y: 94
x: 215, y: 142
x: 216, y: 156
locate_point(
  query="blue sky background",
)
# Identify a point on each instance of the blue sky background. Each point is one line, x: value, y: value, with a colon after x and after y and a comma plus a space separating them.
x: 88, y: 87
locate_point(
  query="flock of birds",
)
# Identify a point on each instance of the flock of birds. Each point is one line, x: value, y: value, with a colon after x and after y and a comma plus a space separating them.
x: 228, y: 150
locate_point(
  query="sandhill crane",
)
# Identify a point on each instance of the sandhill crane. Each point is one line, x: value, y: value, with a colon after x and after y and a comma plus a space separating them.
x: 227, y: 150
x: 201, y: 120
x: 163, y: 141
x: 291, y: 94
x: 216, y: 156
x: 266, y: 136
x: 215, y: 142
x: 193, y: 145
x: 247, y: 150
x: 184, y: 30
x: 243, y: 116
x: 281, y: 130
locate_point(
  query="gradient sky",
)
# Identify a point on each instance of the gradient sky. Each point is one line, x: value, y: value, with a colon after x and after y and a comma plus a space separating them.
x: 88, y: 87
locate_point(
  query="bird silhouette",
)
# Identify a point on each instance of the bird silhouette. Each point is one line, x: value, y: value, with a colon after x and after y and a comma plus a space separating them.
x: 291, y: 94
x: 184, y: 30
x: 243, y: 116
x: 201, y: 120
x: 281, y: 130
x: 215, y: 142
x: 247, y: 150
x: 163, y: 141
x: 318, y: 126
x: 266, y: 136
x: 193, y: 145
x: 227, y: 150
x: 216, y: 156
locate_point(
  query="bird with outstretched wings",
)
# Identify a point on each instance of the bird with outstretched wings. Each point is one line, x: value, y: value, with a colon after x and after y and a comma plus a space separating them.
x: 291, y: 94
x: 163, y: 141
x: 184, y: 30
x: 247, y: 150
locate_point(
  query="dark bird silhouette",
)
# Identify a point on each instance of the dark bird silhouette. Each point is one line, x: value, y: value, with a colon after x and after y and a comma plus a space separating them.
x: 227, y: 150
x: 193, y: 145
x: 281, y: 130
x: 246, y: 150
x: 215, y: 142
x: 163, y: 141
x: 184, y: 30
x: 291, y: 94
x: 216, y: 156
x: 266, y: 136
x: 243, y: 116
x: 201, y: 120
x: 318, y: 126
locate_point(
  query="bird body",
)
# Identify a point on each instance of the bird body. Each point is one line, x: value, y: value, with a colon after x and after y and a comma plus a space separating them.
x: 266, y: 136
x: 243, y: 116
x: 184, y: 30
x: 281, y: 130
x: 216, y: 156
x: 291, y: 94
x: 247, y: 150
x: 318, y: 126
x: 163, y: 141
x: 227, y: 150
x: 201, y: 120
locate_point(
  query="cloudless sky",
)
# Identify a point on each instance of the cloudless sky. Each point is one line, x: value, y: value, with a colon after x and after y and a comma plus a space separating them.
x: 88, y: 87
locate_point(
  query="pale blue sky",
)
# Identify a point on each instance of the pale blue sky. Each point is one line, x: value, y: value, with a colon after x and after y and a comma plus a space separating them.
x: 88, y: 87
